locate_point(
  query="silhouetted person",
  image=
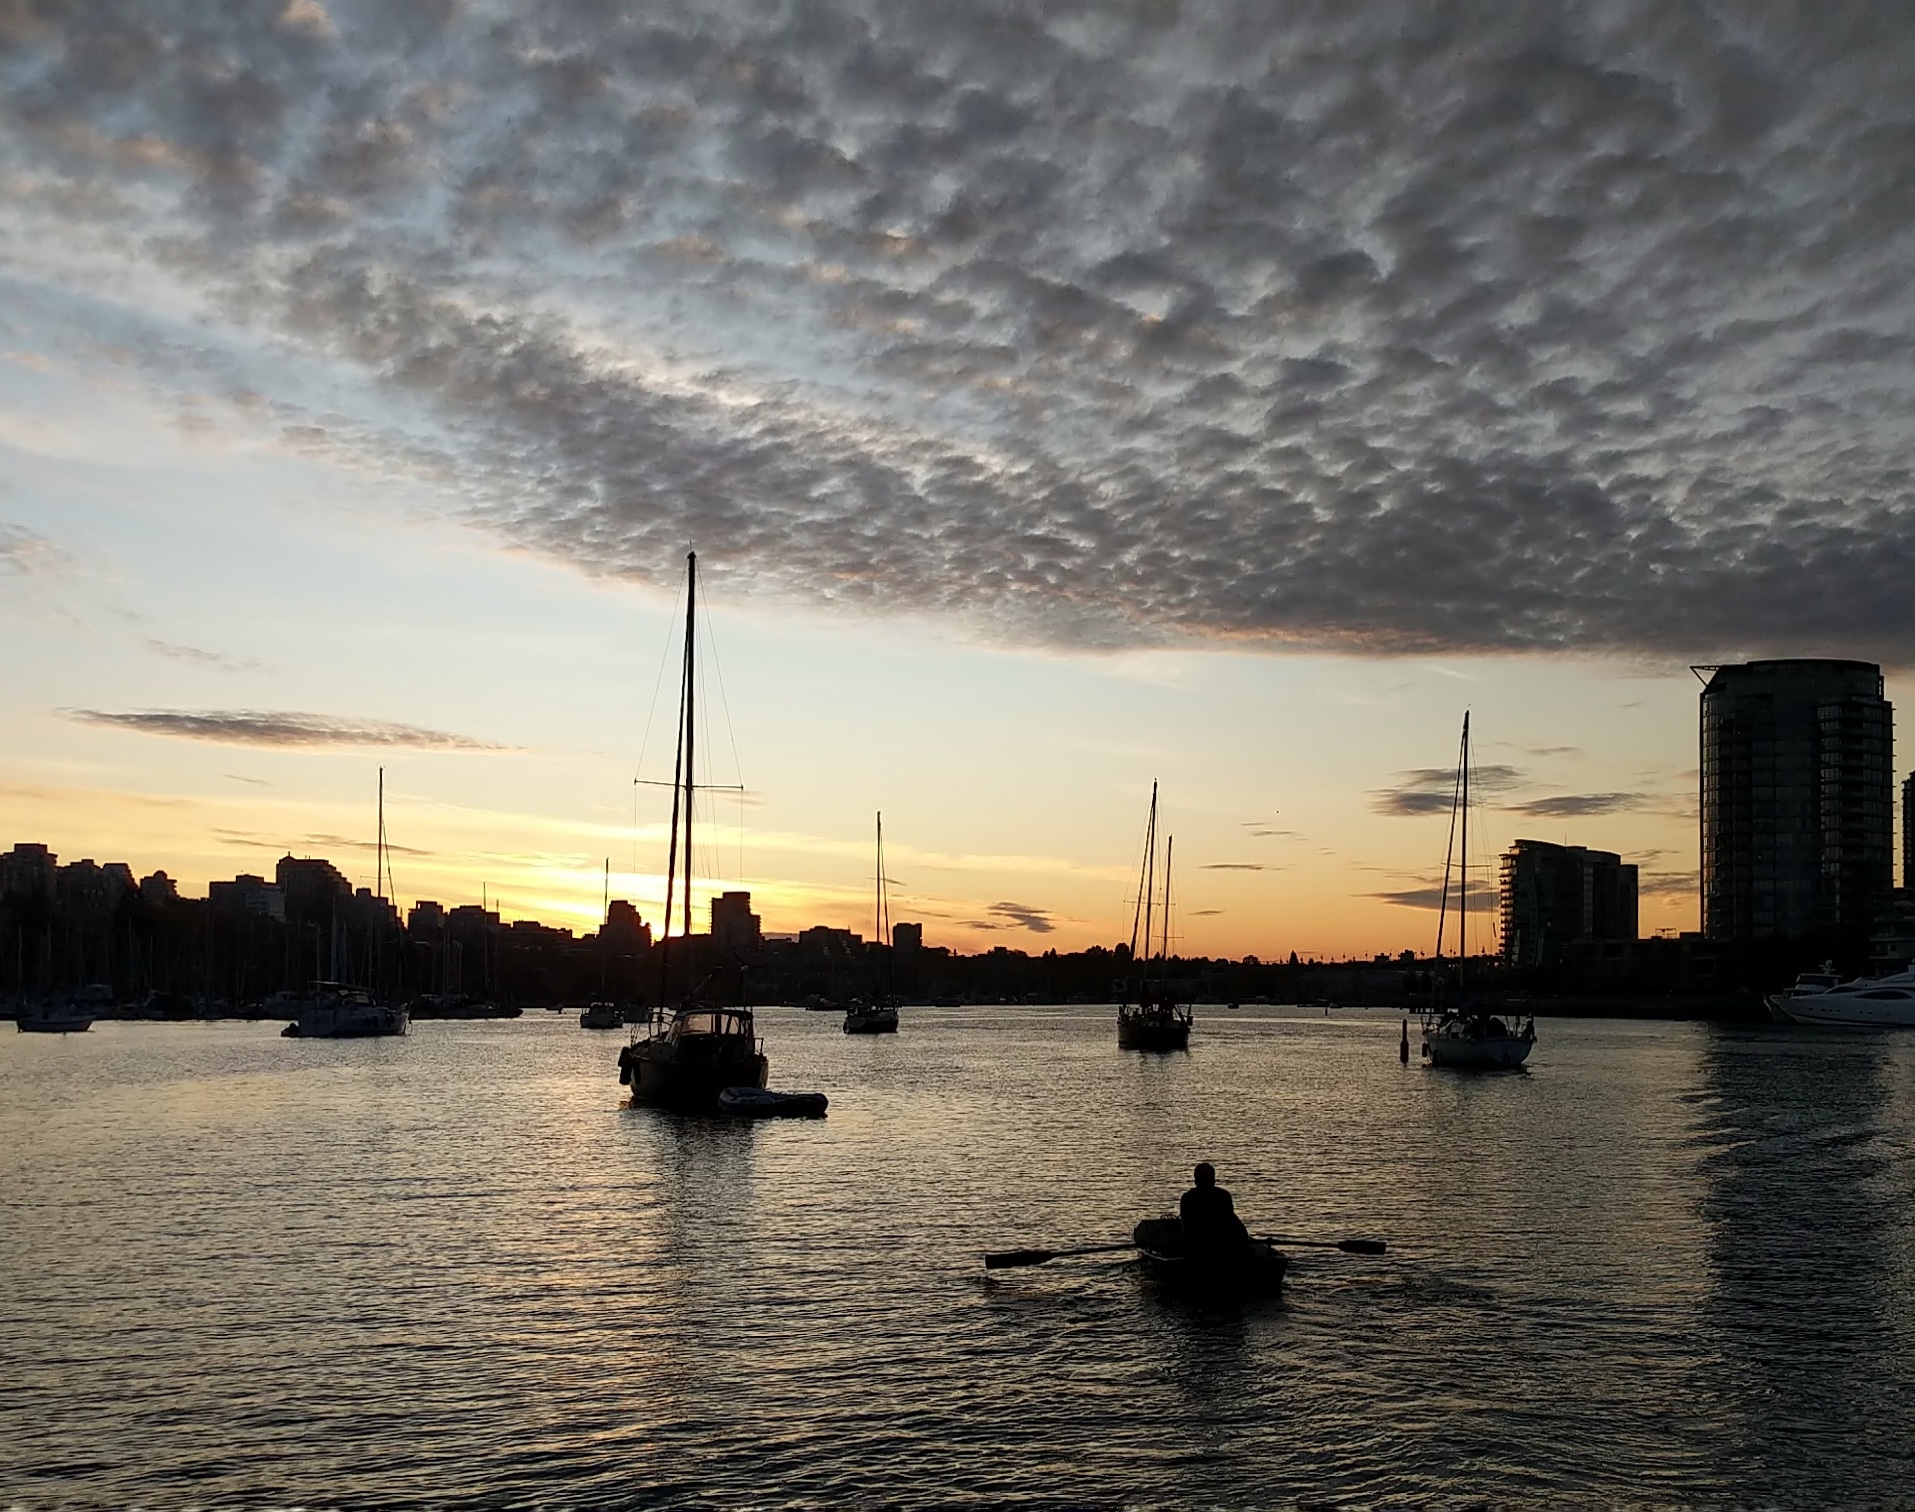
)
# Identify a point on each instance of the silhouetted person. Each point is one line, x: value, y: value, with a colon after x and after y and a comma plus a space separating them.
x: 1210, y: 1217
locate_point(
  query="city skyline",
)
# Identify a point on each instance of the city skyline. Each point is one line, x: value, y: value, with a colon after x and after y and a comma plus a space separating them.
x: 1059, y: 404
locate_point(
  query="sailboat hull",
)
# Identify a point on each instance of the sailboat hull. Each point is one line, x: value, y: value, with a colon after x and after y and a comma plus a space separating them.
x: 1494, y: 1052
x: 871, y: 1021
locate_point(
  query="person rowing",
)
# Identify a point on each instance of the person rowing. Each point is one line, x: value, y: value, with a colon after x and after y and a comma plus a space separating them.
x: 1210, y: 1221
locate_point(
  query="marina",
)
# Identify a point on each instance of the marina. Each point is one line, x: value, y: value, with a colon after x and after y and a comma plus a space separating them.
x: 303, y: 1274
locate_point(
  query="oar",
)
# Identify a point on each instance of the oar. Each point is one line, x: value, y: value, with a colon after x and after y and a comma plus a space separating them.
x: 1005, y: 1259
x: 1348, y: 1246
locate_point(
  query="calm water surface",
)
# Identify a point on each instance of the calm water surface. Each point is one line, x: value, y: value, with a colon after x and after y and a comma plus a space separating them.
x: 1669, y: 1264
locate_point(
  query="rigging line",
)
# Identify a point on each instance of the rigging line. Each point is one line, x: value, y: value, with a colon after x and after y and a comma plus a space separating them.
x: 1137, y: 913
x: 731, y: 732
x: 651, y: 714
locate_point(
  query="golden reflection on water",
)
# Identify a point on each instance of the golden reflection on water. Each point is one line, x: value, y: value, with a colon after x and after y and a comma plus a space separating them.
x: 1666, y: 1261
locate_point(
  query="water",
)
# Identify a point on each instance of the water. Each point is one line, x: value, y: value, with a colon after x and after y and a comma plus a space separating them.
x: 1668, y: 1264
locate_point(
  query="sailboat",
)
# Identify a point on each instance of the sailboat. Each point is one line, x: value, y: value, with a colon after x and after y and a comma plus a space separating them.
x: 880, y: 1014
x: 691, y: 1054
x: 1149, y: 1015
x: 601, y: 1013
x: 1462, y: 1033
x: 339, y: 1010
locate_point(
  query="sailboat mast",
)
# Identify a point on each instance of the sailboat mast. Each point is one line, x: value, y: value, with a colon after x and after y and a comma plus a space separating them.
x: 680, y: 789
x: 691, y: 691
x: 1462, y: 861
x: 1150, y: 869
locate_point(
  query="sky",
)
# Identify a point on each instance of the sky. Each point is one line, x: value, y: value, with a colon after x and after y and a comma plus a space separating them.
x: 1061, y: 398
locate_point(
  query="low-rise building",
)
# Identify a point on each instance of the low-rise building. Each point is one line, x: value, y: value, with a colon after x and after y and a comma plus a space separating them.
x: 247, y: 894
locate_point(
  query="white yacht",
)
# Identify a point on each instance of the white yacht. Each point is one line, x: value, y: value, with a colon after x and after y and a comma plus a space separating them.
x: 333, y: 1011
x: 1883, y: 1002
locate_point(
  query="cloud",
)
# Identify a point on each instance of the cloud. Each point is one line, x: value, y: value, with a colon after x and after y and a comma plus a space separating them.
x: 1431, y: 790
x: 1482, y: 898
x: 1247, y: 866
x: 1577, y: 805
x: 200, y: 658
x: 27, y: 553
x: 1206, y: 913
x: 1017, y: 916
x: 1378, y: 327
x: 281, y: 729
x: 1680, y: 885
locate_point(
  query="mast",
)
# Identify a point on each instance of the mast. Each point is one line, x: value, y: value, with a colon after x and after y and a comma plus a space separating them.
x: 1462, y: 865
x: 1150, y: 870
x: 691, y: 723
x: 881, y: 913
x: 681, y: 785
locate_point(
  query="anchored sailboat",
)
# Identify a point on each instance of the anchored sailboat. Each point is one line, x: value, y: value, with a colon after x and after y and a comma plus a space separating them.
x: 1150, y: 1015
x: 1462, y: 1032
x: 691, y: 1054
x: 880, y: 1014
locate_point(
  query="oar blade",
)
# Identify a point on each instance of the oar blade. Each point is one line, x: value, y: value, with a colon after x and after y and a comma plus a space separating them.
x: 1006, y: 1259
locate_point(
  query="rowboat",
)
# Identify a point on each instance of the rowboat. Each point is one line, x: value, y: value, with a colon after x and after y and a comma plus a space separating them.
x: 761, y: 1102
x: 1253, y: 1269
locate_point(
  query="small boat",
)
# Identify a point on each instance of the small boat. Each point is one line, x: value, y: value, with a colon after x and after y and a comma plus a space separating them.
x: 1883, y: 1002
x: 871, y: 1018
x: 1255, y: 1268
x: 1464, y: 1034
x: 332, y: 1010
x: 760, y: 1102
x: 879, y: 1015
x: 693, y: 1053
x: 601, y: 1016
x: 45, y: 1020
x: 1472, y: 1040
x: 1153, y: 1012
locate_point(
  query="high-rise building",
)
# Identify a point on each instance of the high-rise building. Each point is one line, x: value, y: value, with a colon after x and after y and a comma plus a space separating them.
x: 1797, y: 790
x: 906, y: 938
x: 733, y: 925
x: 1558, y: 896
x: 1908, y: 834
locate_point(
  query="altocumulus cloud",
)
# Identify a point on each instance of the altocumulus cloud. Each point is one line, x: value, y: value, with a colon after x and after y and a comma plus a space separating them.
x: 259, y: 728
x: 1378, y: 326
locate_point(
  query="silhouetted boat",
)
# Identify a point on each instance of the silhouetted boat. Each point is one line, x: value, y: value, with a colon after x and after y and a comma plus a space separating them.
x: 333, y: 1010
x: 1152, y: 1013
x: 1883, y: 1002
x: 688, y: 1058
x: 1463, y: 1034
x: 880, y: 1014
x: 601, y: 1016
x: 44, y: 1019
x: 1254, y: 1268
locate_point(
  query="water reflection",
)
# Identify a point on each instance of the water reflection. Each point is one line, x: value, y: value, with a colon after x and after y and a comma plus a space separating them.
x: 1801, y: 1250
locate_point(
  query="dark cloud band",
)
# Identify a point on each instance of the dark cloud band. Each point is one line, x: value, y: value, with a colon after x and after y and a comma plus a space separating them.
x: 290, y: 730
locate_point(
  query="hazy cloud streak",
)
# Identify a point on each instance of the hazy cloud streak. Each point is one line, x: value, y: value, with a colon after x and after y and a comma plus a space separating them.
x: 284, y: 729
